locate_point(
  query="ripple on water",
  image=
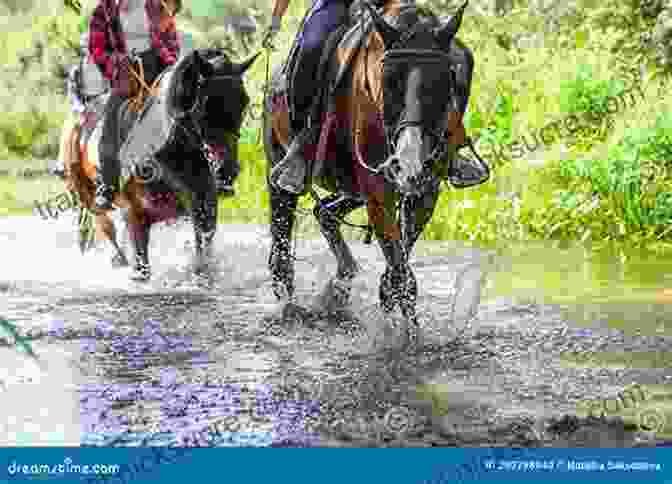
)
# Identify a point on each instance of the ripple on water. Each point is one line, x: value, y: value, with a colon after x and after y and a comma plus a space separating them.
x: 163, y: 337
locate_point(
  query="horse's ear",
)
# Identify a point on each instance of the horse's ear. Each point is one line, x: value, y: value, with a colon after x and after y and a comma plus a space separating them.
x: 241, y: 68
x: 386, y: 31
x: 447, y: 31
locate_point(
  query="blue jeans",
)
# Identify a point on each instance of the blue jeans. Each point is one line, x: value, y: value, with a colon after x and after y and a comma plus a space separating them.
x: 325, y: 17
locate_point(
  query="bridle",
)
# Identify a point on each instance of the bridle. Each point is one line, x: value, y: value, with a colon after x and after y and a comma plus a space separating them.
x: 191, y: 119
x: 398, y: 53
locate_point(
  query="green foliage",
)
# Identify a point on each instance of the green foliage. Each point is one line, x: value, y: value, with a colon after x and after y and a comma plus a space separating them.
x: 516, y: 90
x: 500, y: 130
x: 588, y: 94
x: 630, y: 200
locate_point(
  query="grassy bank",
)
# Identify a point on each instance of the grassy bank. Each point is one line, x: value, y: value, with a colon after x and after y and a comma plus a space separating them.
x: 597, y: 185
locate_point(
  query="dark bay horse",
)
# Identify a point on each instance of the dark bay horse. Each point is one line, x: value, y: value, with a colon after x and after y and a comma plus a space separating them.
x: 385, y: 140
x: 199, y: 102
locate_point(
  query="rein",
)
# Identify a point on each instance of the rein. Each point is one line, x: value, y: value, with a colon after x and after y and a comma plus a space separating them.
x: 137, y: 100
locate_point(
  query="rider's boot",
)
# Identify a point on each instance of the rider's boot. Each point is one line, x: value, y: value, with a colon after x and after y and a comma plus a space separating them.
x: 291, y: 172
x: 108, y: 171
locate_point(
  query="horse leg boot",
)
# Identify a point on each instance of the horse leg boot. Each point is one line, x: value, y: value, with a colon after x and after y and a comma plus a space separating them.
x: 107, y: 174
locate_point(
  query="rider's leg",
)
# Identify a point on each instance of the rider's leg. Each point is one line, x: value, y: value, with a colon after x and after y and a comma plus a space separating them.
x: 291, y: 171
x: 107, y: 176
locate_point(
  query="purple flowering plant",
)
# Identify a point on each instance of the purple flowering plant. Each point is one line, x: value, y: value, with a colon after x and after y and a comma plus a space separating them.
x: 187, y: 410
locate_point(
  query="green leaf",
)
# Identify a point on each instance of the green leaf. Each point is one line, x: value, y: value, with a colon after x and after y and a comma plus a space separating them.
x: 12, y: 331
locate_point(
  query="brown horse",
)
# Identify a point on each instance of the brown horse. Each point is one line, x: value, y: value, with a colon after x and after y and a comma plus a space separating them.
x: 198, y: 102
x: 387, y: 138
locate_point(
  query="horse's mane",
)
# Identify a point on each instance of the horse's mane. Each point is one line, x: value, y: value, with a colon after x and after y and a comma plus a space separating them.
x: 173, y: 77
x: 402, y: 14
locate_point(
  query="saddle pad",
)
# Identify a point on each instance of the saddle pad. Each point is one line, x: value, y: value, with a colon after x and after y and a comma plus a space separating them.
x: 91, y: 117
x: 91, y: 144
x: 153, y: 128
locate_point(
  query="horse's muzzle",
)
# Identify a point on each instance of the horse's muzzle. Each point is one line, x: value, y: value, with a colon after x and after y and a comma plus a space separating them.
x: 404, y: 167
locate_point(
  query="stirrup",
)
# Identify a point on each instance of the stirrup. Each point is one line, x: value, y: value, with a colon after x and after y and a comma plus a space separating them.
x: 473, y: 170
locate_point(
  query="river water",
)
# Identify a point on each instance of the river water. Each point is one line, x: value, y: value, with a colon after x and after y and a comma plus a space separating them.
x: 516, y: 338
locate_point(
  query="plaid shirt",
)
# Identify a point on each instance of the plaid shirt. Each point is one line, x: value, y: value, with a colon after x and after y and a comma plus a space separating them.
x: 107, y: 43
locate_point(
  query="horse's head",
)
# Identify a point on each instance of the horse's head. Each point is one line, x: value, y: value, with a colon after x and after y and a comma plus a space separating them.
x: 418, y: 85
x: 209, y: 99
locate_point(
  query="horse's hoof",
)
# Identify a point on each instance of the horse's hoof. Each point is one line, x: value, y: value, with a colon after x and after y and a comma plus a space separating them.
x: 335, y: 297
x: 413, y: 340
x: 119, y: 260
x: 287, y: 312
x: 294, y: 312
x: 141, y: 274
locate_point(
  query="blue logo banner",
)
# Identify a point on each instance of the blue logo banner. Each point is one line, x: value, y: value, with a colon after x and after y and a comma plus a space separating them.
x: 326, y: 466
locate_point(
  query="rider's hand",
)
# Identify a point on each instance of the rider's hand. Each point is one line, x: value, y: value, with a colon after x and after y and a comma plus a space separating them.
x: 271, y: 32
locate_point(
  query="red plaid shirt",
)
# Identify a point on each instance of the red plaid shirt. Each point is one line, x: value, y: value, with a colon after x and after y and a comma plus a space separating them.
x: 107, y: 44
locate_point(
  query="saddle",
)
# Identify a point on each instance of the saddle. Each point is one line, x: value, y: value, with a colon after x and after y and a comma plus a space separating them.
x: 463, y: 168
x: 349, y: 36
x: 145, y: 132
x: 144, y: 127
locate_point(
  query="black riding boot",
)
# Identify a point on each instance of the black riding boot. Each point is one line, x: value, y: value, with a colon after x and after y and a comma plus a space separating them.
x: 290, y: 173
x: 107, y: 176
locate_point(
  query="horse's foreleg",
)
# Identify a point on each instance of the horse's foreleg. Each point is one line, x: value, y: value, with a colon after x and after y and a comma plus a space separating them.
x: 138, y: 230
x: 328, y: 214
x: 419, y: 211
x: 398, y: 285
x: 106, y: 227
x: 280, y: 262
x: 139, y: 234
x: 204, y: 218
